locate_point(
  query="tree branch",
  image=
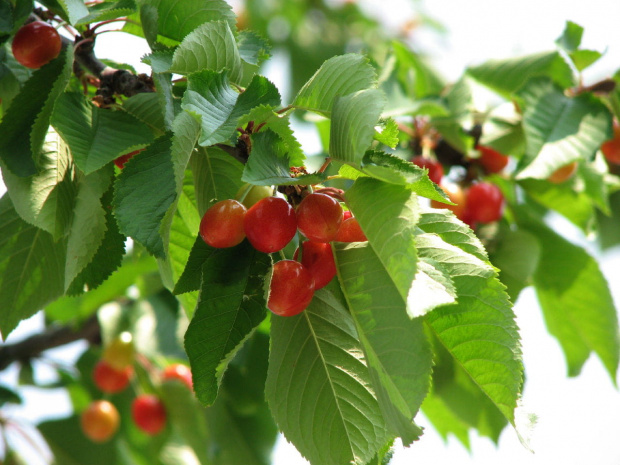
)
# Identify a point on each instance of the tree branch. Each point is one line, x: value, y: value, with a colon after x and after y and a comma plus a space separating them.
x: 33, y: 346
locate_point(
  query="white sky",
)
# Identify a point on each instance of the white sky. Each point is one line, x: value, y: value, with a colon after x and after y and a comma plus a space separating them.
x: 579, y: 418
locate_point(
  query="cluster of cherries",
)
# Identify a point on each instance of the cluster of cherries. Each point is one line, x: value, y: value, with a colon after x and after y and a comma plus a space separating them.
x: 270, y: 223
x: 113, y: 374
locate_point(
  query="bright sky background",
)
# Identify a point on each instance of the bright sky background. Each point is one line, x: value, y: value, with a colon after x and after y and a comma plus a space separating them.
x: 579, y: 418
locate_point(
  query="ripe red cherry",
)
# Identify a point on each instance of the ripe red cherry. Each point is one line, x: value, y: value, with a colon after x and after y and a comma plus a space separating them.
x: 291, y: 288
x: 178, y: 372
x: 350, y: 231
x: 435, y: 169
x: 455, y: 194
x: 564, y: 173
x: 36, y: 44
x: 346, y: 215
x: 318, y: 258
x: 148, y: 413
x: 222, y: 224
x: 492, y: 160
x: 611, y: 148
x: 100, y: 421
x: 484, y: 203
x: 319, y: 217
x: 270, y: 224
x: 110, y: 380
x: 120, y: 161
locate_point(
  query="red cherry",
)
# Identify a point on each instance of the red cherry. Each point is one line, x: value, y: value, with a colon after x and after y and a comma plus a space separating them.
x: 109, y: 379
x: 350, y: 231
x: 484, y: 203
x: 435, y: 169
x: 148, y: 413
x: 319, y: 217
x: 270, y: 224
x: 100, y: 421
x: 36, y: 44
x: 346, y: 215
x: 120, y: 161
x: 611, y: 148
x: 492, y: 160
x: 222, y: 224
x: 178, y: 372
x: 564, y: 173
x: 455, y: 194
x: 318, y: 258
x: 291, y: 288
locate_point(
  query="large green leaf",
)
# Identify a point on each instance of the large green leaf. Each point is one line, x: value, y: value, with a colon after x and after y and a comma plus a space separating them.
x: 146, y: 107
x: 338, y: 76
x: 559, y: 129
x: 140, y: 203
x: 416, y: 77
x: 210, y: 46
x: 231, y: 305
x: 211, y: 98
x: 508, y: 75
x: 108, y: 10
x: 24, y: 125
x: 388, y: 213
x: 96, y: 136
x: 577, y: 305
x: 270, y: 161
x: 217, y: 176
x: 319, y: 388
x: 177, y: 19
x: 46, y: 200
x: 479, y: 331
x: 353, y: 121
x: 31, y: 268
x: 89, y: 223
x: 395, y: 346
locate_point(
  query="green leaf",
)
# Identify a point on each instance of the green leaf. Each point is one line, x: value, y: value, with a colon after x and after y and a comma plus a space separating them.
x: 108, y: 10
x: 388, y: 213
x: 389, y: 133
x: 9, y: 396
x: 508, y: 75
x: 269, y: 163
x: 72, y: 10
x: 89, y: 224
x: 211, y: 98
x: 78, y: 308
x: 146, y: 107
x: 577, y: 305
x: 231, y: 306
x: 444, y: 420
x: 395, y: 170
x: 217, y: 176
x: 96, y: 136
x: 517, y: 256
x: 395, y: 347
x: 571, y: 37
x: 416, y: 77
x: 108, y: 256
x: 584, y: 58
x: 559, y: 129
x: 280, y: 124
x: 139, y: 203
x: 211, y: 46
x: 177, y: 19
x: 566, y: 198
x: 319, y: 388
x: 353, y: 121
x: 191, y: 278
x: 46, y: 200
x: 31, y: 268
x: 253, y: 48
x: 24, y: 125
x: 338, y: 76
x: 479, y: 331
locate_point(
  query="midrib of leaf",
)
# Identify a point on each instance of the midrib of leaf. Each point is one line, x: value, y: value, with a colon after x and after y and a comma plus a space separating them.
x: 331, y: 384
x: 25, y: 267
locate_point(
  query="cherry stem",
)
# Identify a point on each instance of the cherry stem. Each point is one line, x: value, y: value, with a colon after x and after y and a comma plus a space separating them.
x: 325, y: 164
x: 109, y: 21
x: 282, y: 256
x: 82, y: 42
x: 406, y: 129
